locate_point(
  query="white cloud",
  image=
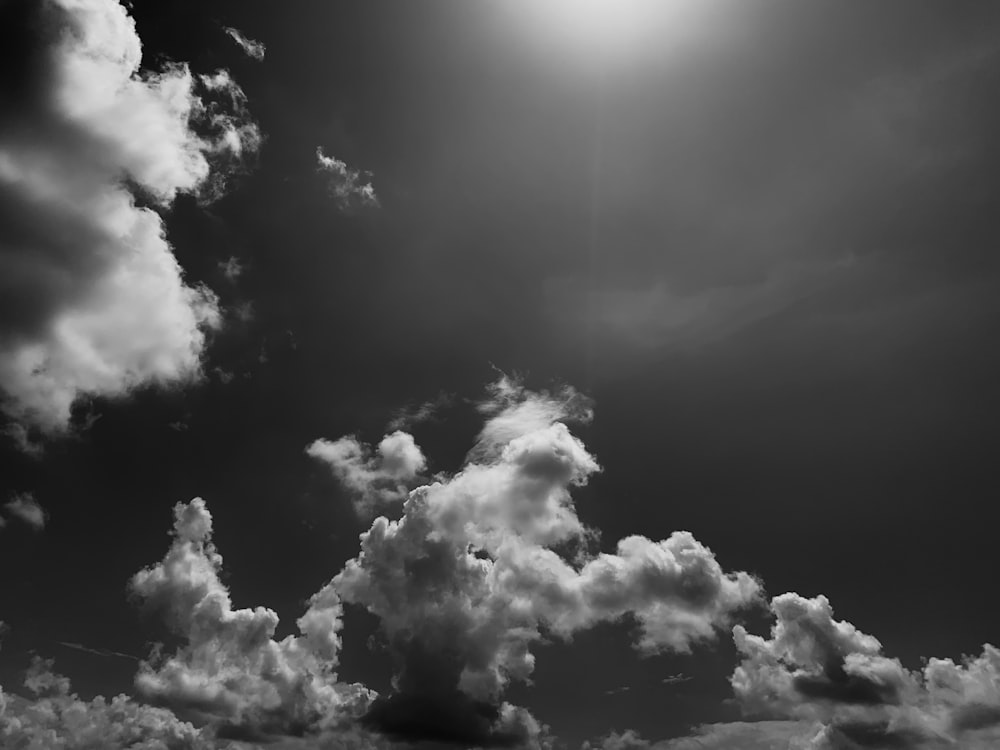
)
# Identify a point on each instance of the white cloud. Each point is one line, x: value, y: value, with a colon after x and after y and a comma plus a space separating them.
x: 816, y: 668
x: 373, y: 479
x: 348, y: 187
x: 252, y: 47
x: 513, y: 411
x: 736, y: 735
x: 54, y: 717
x: 94, y: 302
x: 230, y: 672
x: 469, y: 579
x: 27, y: 510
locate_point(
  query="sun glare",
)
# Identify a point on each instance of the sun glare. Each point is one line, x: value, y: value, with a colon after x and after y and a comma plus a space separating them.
x: 610, y: 26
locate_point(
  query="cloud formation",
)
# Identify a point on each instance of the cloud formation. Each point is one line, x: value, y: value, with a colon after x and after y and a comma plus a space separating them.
x: 24, y: 508
x: 736, y: 735
x: 253, y: 48
x: 92, y: 299
x: 474, y: 574
x: 230, y: 672
x: 816, y: 668
x: 373, y: 478
x: 349, y: 187
x: 55, y: 717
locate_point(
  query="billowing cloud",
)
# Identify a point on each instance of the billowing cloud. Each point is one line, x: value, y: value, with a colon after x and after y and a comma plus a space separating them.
x: 230, y: 672
x: 736, y: 735
x: 348, y: 187
x: 817, y: 668
x: 372, y: 478
x: 92, y: 299
x: 54, y: 717
x: 252, y: 47
x: 24, y: 508
x: 512, y: 411
x: 474, y: 574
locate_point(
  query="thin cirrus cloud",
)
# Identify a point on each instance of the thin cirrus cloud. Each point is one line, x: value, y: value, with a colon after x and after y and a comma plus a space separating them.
x: 94, y: 302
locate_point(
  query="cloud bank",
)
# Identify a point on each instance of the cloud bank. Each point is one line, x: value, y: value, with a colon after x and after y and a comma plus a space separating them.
x: 816, y: 668
x: 92, y: 299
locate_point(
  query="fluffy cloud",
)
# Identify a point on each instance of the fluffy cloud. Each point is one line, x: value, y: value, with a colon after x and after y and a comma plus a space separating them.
x: 817, y: 668
x: 54, y: 717
x: 512, y: 411
x: 92, y: 300
x: 736, y: 735
x: 474, y: 574
x: 26, y: 509
x: 230, y: 672
x: 374, y: 478
x: 252, y: 47
x: 347, y: 186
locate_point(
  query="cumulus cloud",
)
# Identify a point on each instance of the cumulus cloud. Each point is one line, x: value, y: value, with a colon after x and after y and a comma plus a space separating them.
x: 817, y: 668
x: 377, y: 478
x: 92, y: 299
x: 474, y: 574
x: 54, y: 717
x: 24, y: 508
x: 348, y: 187
x: 230, y: 672
x: 252, y: 47
x: 736, y: 735
x: 512, y: 411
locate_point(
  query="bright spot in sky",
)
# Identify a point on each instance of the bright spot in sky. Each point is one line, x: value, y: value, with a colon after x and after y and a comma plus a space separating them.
x: 612, y: 26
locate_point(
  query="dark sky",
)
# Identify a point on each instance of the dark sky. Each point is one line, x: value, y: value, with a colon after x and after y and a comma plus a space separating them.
x: 760, y: 235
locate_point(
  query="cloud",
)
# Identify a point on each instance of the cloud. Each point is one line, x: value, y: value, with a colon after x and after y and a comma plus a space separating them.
x: 373, y: 479
x: 347, y: 186
x: 230, y: 672
x: 92, y: 299
x: 513, y: 411
x: 470, y: 578
x: 232, y: 269
x: 737, y: 735
x: 55, y: 717
x: 253, y: 48
x: 814, y: 667
x: 408, y: 416
x: 27, y: 510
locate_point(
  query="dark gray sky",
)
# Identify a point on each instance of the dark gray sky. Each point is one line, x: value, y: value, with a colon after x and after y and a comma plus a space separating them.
x: 760, y: 235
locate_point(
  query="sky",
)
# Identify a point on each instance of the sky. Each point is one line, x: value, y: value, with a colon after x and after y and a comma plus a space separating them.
x: 546, y: 374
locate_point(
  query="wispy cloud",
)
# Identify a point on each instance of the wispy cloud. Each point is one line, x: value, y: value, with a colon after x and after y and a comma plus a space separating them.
x: 253, y: 48
x: 24, y: 508
x: 97, y: 651
x: 348, y: 187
